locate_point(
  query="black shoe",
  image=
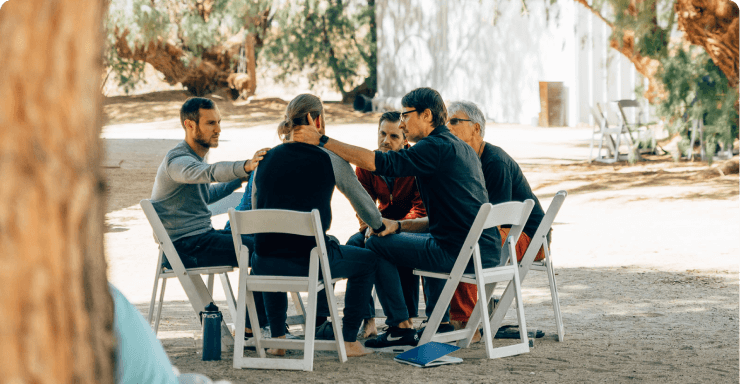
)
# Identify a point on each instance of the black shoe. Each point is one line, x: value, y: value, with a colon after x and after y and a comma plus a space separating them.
x: 325, y: 331
x: 443, y: 328
x: 394, y: 336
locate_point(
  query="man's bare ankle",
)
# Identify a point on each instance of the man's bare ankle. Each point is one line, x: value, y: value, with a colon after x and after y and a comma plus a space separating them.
x: 406, y: 324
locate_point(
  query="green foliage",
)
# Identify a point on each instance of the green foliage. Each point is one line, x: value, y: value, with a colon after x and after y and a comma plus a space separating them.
x: 178, y: 22
x: 328, y: 37
x: 697, y: 89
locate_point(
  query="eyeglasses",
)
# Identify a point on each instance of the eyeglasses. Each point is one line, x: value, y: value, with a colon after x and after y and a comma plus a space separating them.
x: 457, y: 121
x: 403, y: 115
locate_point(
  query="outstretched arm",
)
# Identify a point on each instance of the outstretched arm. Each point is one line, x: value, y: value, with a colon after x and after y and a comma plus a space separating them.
x: 360, y: 157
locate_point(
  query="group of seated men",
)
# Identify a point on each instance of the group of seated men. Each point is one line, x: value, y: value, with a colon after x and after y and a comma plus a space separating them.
x: 415, y: 205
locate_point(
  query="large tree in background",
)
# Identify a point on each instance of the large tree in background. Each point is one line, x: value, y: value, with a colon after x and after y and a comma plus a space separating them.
x: 686, y: 83
x: 333, y: 39
x: 57, y: 314
x: 195, y: 43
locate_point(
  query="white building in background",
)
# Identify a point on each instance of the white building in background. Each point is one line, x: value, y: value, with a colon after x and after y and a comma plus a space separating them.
x: 455, y: 47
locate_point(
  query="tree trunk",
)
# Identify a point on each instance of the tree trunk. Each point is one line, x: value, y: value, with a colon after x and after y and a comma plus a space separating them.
x: 200, y: 76
x: 251, y: 64
x: 712, y: 24
x: 57, y: 314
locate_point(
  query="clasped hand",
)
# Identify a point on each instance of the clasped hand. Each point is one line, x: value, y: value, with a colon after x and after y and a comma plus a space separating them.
x: 390, y: 227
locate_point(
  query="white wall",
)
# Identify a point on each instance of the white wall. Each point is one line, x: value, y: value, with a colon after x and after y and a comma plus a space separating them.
x: 454, y: 47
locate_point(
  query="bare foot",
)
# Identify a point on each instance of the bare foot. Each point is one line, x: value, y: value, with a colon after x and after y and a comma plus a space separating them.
x: 355, y: 349
x: 275, y: 351
x: 461, y: 325
x: 369, y: 330
x: 458, y: 324
x: 408, y: 323
x: 476, y: 337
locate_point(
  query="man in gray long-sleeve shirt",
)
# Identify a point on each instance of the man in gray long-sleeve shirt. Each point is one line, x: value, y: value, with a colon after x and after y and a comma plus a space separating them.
x: 183, y: 188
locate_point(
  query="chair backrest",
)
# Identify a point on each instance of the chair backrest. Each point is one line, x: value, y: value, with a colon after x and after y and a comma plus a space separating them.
x: 222, y: 206
x: 162, y: 238
x: 598, y: 117
x: 539, y: 237
x: 622, y: 114
x: 512, y: 213
x: 278, y: 221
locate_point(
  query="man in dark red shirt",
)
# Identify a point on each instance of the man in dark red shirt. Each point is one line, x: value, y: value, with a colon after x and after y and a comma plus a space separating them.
x: 398, y: 199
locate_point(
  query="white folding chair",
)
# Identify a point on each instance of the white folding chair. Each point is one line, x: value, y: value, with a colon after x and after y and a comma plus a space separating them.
x: 288, y: 222
x: 539, y: 240
x: 639, y: 131
x: 613, y: 136
x: 489, y: 216
x: 198, y: 294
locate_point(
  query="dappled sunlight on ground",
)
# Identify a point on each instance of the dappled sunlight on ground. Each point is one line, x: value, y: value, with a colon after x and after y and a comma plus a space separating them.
x: 646, y: 254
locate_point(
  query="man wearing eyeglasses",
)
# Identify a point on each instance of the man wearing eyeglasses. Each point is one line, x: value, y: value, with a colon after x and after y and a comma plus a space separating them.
x: 398, y: 199
x: 504, y: 181
x: 451, y: 184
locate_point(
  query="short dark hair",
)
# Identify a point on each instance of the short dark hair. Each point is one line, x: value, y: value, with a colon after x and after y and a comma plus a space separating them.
x: 190, y: 110
x: 390, y: 117
x: 427, y: 98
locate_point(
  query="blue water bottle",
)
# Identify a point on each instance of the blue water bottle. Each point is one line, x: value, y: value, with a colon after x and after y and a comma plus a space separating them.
x: 211, y: 319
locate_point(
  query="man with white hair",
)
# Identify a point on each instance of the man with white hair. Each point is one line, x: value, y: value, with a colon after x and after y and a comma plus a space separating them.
x: 504, y: 181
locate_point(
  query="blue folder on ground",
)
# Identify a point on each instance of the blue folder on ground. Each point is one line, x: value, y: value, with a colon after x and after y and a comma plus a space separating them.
x: 429, y: 355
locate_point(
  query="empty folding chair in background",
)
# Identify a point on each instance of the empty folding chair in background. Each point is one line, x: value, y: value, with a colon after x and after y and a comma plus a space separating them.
x: 489, y: 216
x: 288, y: 222
x: 610, y: 137
x: 539, y: 240
x: 632, y: 119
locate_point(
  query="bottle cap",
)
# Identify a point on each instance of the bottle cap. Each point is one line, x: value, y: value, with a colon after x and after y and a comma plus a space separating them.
x: 211, y: 308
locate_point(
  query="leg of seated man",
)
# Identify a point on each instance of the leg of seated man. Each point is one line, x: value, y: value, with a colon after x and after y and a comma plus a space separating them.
x: 368, y: 328
x: 216, y: 248
x: 356, y: 264
x: 410, y: 287
x: 357, y: 240
x: 411, y: 251
x: 466, y: 295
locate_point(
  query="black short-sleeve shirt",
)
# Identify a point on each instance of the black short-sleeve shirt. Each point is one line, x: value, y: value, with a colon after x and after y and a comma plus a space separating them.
x: 505, y: 182
x: 452, y: 186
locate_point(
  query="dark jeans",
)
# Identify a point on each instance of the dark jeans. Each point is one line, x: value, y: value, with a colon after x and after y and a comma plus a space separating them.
x: 356, y: 264
x: 216, y: 248
x: 409, y: 281
x: 410, y: 250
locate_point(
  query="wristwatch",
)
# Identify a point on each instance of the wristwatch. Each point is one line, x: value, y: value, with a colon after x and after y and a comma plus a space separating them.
x: 398, y: 230
x: 323, y: 140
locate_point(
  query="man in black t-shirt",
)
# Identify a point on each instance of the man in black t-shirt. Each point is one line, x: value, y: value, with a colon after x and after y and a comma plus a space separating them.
x: 504, y: 181
x: 452, y: 188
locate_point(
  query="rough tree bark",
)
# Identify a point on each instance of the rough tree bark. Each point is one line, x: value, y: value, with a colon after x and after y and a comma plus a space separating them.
x: 712, y: 24
x: 57, y: 314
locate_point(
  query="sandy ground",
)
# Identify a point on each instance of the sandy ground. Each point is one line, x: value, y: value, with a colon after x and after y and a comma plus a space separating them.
x: 646, y: 255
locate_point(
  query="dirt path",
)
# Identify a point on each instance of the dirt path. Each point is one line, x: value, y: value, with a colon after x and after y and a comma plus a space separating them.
x: 646, y: 255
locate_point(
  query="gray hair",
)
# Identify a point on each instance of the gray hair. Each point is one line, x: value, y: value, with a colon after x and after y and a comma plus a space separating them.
x: 473, y: 112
